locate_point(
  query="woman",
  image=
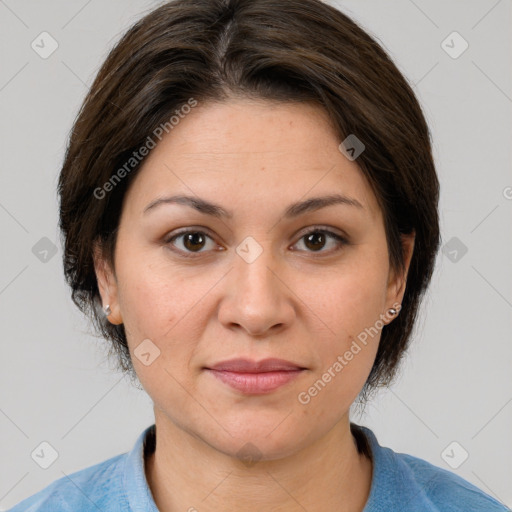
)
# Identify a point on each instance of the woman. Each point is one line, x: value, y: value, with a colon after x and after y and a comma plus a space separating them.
x: 249, y: 213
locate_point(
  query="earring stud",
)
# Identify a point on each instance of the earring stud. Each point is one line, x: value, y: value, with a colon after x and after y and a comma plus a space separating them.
x: 107, y: 310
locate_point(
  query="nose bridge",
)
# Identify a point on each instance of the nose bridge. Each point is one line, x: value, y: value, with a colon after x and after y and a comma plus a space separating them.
x: 253, y: 262
x: 255, y: 275
x: 257, y: 299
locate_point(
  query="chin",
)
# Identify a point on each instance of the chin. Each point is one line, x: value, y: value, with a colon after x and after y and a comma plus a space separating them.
x: 254, y: 439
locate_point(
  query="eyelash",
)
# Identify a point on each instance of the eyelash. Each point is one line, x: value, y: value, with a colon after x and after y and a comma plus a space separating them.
x: 342, y: 241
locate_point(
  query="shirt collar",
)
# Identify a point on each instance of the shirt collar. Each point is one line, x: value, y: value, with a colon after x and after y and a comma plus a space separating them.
x: 392, y: 481
x: 391, y: 477
x: 136, y: 486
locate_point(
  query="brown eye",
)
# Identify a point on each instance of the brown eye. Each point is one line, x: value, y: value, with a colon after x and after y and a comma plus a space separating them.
x: 192, y: 241
x: 316, y: 240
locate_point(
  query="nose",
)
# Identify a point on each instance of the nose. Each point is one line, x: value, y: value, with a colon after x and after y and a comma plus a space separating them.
x: 256, y: 297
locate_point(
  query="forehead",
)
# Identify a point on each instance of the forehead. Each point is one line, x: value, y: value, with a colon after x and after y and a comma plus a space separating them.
x: 247, y: 150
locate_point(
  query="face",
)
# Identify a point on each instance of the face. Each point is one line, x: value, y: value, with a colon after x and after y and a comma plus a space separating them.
x: 251, y: 277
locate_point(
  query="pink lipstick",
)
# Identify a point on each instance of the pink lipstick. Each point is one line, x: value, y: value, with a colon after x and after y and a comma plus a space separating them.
x: 256, y: 377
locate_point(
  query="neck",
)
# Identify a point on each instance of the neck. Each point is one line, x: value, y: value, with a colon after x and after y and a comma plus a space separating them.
x: 187, y: 474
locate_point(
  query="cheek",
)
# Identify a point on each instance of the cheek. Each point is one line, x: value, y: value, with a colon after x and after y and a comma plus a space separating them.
x: 160, y: 305
x: 347, y: 351
x: 145, y: 304
x: 153, y: 296
x: 351, y: 299
x: 350, y: 307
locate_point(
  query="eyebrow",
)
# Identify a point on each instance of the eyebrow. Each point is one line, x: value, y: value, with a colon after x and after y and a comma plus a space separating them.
x: 292, y: 211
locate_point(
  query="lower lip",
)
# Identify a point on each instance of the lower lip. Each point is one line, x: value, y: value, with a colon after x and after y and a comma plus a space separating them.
x: 256, y: 383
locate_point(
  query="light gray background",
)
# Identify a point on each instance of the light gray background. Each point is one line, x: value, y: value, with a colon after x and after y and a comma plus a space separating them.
x: 456, y: 383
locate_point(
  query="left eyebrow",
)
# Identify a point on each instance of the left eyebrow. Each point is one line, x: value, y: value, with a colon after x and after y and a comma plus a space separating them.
x: 316, y: 203
x: 292, y: 211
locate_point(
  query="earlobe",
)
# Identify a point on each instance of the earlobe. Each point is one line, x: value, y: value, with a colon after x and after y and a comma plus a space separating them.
x: 107, y: 287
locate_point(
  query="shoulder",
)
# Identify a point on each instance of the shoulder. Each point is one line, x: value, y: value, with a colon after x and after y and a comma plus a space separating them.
x: 94, y: 488
x: 448, y: 491
x: 404, y: 482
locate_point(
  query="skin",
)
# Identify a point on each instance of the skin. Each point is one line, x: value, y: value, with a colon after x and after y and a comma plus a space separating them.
x: 299, y: 301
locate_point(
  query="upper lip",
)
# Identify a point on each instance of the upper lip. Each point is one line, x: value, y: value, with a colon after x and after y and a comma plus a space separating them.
x: 249, y: 366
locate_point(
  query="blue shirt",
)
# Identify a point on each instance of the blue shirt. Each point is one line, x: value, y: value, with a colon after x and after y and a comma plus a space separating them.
x: 400, y: 482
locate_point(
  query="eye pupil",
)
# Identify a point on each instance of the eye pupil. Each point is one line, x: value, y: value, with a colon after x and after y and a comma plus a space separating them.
x: 193, y: 239
x: 312, y: 237
x: 315, y: 241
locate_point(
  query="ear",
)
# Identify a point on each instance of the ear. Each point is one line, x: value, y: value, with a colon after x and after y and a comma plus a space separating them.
x: 107, y: 285
x: 398, y: 280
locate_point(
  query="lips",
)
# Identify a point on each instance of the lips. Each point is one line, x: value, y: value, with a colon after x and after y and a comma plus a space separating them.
x: 241, y: 365
x: 255, y: 377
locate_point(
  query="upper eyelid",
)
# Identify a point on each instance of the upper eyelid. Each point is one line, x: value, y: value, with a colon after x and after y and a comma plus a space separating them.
x: 301, y: 234
x: 319, y: 227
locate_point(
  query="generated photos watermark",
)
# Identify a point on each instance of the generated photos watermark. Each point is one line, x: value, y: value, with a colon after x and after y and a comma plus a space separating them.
x: 363, y: 337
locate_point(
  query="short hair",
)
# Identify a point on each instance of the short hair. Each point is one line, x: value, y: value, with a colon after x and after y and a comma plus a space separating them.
x: 282, y: 50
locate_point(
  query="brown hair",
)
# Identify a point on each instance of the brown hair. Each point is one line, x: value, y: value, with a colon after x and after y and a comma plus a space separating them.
x: 284, y: 50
